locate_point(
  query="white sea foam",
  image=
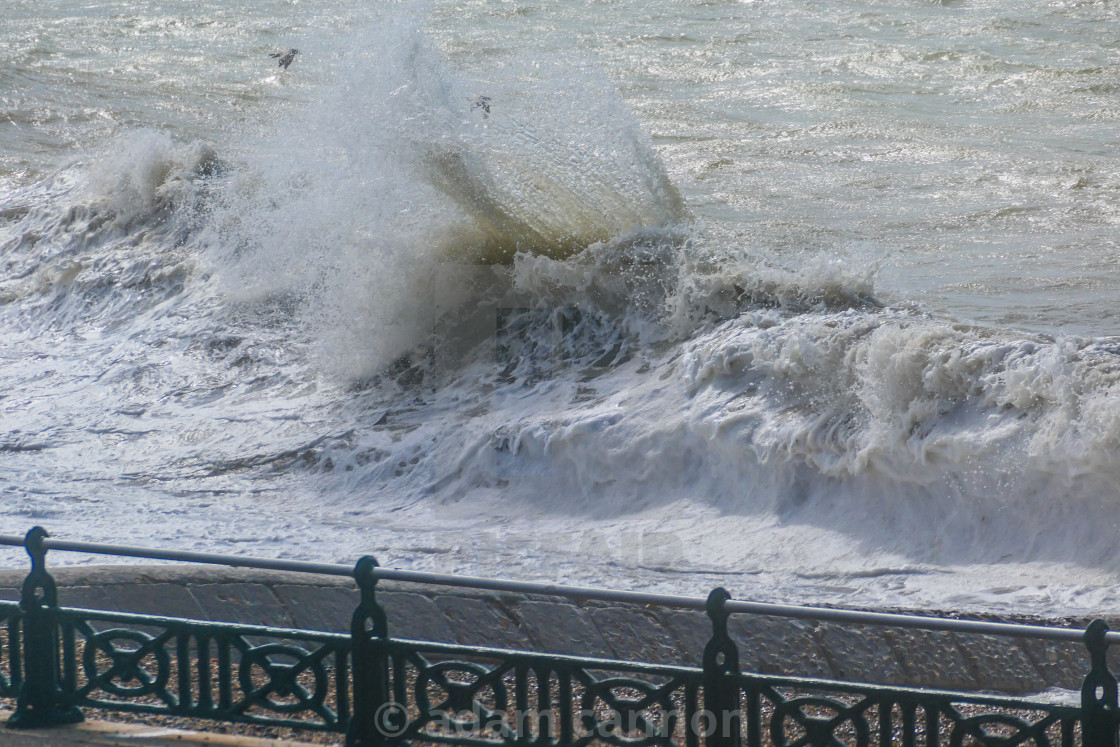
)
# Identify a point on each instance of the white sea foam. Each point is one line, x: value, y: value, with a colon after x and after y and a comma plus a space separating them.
x: 401, y: 184
x: 349, y: 313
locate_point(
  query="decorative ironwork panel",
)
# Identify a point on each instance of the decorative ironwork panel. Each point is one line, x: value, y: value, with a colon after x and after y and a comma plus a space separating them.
x: 792, y: 712
x: 475, y: 696
x: 221, y: 671
x: 381, y: 691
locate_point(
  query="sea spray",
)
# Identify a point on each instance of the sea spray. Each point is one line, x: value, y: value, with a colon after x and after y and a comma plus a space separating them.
x: 372, y: 206
x: 820, y: 295
x: 107, y: 231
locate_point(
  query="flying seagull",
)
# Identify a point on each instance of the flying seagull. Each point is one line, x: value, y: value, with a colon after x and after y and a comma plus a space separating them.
x: 285, y: 57
x: 483, y: 103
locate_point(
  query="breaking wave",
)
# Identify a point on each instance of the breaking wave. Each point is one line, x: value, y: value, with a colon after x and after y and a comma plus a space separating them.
x: 408, y: 302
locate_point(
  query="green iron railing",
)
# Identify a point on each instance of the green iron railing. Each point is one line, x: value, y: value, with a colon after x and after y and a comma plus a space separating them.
x: 380, y: 690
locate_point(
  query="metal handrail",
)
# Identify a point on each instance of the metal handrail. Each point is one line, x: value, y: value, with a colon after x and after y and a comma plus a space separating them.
x: 187, y: 556
x: 579, y: 593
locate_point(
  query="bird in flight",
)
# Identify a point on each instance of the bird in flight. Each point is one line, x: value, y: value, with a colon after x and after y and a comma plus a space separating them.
x: 285, y: 57
x: 483, y: 103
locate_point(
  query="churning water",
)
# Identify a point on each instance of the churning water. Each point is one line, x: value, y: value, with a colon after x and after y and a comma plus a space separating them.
x: 814, y: 299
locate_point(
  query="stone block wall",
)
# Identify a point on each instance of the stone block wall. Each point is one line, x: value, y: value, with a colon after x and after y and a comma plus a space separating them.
x: 769, y: 645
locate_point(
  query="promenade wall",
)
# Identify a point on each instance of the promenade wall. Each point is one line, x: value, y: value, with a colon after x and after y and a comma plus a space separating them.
x: 769, y: 645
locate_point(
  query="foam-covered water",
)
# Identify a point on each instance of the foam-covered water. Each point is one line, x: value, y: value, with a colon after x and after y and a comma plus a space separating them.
x: 812, y: 300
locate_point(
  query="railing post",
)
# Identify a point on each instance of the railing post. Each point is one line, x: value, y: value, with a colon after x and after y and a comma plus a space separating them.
x: 41, y: 701
x: 374, y: 719
x: 1100, y: 713
x: 721, y: 725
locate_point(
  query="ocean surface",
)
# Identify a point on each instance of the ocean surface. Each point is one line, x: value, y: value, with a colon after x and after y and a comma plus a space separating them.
x: 814, y: 299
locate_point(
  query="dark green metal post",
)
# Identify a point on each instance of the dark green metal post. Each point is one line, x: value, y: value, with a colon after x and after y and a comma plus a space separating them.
x: 1099, y: 708
x: 41, y: 701
x: 720, y: 725
x: 375, y: 719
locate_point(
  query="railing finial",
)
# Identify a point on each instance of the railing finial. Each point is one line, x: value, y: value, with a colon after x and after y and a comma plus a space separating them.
x: 39, y: 587
x: 41, y: 701
x: 1099, y: 692
x: 721, y: 664
x: 369, y: 617
x: 368, y: 629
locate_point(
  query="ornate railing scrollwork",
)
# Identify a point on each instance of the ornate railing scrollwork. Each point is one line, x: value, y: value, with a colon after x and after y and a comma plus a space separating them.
x: 114, y: 668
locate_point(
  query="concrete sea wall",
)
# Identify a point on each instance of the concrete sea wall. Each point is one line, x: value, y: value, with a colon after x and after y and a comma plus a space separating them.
x: 619, y: 631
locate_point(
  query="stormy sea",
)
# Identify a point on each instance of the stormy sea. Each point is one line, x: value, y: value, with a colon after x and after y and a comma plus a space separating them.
x: 817, y: 300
